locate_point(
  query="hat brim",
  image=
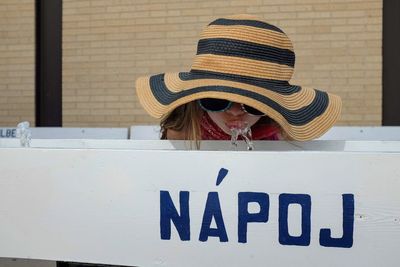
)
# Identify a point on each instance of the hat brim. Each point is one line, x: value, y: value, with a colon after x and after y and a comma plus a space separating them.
x: 303, y: 113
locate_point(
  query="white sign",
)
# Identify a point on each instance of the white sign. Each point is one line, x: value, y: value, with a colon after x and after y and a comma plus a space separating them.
x: 8, y: 132
x: 68, y: 133
x: 377, y: 133
x: 200, y: 208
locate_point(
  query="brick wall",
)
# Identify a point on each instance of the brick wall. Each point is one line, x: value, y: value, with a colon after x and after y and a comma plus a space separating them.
x: 17, y: 77
x: 107, y: 44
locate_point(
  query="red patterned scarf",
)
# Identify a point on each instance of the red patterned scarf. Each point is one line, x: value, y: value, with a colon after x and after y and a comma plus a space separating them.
x: 211, y: 131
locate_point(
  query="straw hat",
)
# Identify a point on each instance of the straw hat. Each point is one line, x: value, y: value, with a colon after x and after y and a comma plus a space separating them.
x: 246, y: 60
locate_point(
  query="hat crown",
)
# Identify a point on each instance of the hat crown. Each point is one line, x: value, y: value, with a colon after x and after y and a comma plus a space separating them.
x: 244, y: 45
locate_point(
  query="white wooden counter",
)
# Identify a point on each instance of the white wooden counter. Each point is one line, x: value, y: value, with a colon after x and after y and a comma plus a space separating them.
x: 154, y: 204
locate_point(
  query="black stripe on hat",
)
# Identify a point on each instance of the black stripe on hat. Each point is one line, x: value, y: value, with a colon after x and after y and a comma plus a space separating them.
x: 245, y: 22
x: 277, y: 86
x: 243, y: 49
x: 298, y: 117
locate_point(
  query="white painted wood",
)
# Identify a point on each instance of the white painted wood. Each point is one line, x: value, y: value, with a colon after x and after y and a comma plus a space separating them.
x: 69, y: 133
x: 318, y: 145
x: 387, y: 133
x: 145, y: 132
x: 101, y: 205
x: 349, y: 133
x: 152, y: 132
x: 8, y: 132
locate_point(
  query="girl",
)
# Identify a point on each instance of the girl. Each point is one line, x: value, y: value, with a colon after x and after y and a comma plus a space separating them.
x: 239, y: 80
x: 214, y: 119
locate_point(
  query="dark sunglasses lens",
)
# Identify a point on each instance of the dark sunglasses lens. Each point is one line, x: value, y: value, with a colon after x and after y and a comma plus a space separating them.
x: 252, y: 110
x: 214, y: 104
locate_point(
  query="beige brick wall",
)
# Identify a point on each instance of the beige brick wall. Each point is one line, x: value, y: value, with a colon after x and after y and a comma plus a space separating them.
x: 107, y: 44
x: 17, y: 59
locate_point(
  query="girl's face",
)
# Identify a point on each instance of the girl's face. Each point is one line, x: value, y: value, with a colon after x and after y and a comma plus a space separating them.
x: 234, y: 117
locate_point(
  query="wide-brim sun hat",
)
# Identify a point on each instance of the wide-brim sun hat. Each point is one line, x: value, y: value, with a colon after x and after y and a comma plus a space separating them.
x: 244, y: 59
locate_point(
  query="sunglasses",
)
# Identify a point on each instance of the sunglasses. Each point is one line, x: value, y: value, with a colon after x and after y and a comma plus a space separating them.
x: 220, y: 105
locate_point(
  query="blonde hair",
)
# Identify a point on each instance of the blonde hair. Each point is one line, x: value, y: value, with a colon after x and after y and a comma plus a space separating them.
x: 184, y: 119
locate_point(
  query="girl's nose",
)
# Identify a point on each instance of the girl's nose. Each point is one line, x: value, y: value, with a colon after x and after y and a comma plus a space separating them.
x: 236, y: 109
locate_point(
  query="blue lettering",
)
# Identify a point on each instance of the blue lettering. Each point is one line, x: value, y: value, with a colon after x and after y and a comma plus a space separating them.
x: 213, y: 210
x: 181, y: 218
x: 169, y: 213
x: 8, y: 133
x: 305, y: 201
x: 244, y: 198
x: 346, y: 241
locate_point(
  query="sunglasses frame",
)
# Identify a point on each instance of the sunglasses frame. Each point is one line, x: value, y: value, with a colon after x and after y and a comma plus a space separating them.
x: 228, y: 106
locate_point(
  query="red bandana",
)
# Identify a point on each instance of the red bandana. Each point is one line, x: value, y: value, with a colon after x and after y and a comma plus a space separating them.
x: 211, y: 131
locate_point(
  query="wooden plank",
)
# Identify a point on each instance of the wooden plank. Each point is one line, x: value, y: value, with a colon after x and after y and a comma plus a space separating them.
x: 68, y: 133
x: 105, y: 206
x: 343, y: 133
x: 349, y: 146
